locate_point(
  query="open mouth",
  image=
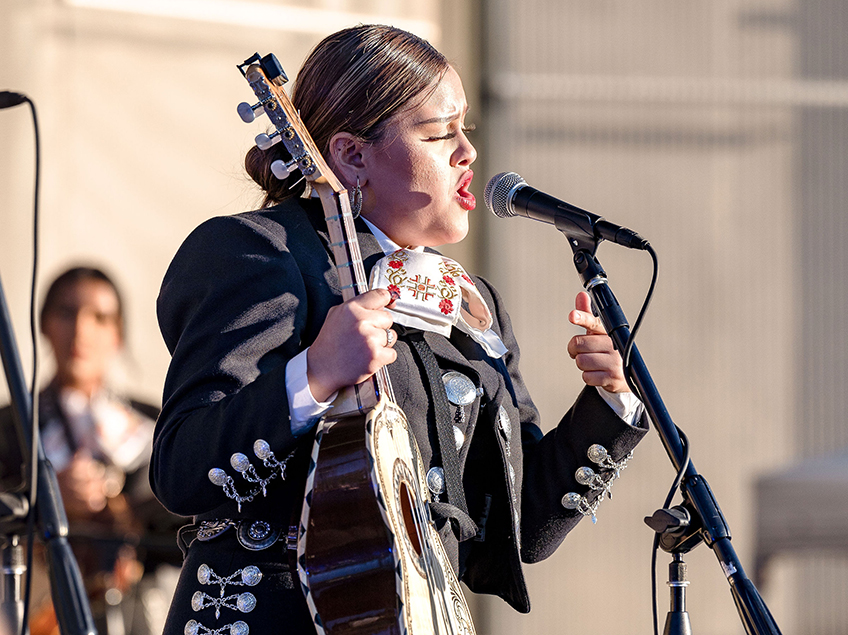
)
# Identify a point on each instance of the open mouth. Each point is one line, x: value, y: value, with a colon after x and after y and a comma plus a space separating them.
x: 466, y: 199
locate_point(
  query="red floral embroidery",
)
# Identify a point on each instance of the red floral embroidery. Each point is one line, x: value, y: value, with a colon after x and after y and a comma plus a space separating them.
x: 448, y: 280
x: 446, y: 307
x: 394, y: 290
x: 467, y: 279
x: 395, y: 264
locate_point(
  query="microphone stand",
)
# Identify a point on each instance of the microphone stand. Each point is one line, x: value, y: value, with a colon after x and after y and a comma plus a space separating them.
x: 70, y: 601
x: 698, y: 518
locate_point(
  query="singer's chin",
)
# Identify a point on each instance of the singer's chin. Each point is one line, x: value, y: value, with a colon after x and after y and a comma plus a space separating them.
x: 455, y: 231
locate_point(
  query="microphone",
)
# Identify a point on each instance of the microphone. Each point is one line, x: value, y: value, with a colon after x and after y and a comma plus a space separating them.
x: 507, y: 194
x: 9, y: 99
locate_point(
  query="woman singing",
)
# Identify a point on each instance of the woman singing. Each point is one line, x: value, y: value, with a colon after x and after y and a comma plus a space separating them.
x: 261, y: 341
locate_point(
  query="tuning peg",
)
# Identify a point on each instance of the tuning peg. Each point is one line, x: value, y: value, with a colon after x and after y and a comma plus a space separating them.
x: 248, y: 113
x: 281, y: 170
x: 265, y: 141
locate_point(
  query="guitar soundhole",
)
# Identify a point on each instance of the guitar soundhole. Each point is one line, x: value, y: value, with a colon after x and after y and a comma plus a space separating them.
x: 407, y: 505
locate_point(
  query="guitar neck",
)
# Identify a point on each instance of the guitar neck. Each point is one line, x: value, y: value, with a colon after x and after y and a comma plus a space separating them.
x: 343, y: 242
x: 266, y: 78
x: 348, y: 260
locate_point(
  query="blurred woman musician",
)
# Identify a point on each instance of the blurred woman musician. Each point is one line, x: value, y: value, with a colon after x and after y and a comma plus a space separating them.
x: 98, y: 442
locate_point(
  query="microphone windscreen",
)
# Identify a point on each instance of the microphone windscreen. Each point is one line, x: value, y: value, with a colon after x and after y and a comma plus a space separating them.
x: 498, y: 193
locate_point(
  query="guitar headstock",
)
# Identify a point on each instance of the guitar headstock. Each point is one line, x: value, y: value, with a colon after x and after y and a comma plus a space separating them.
x: 266, y: 77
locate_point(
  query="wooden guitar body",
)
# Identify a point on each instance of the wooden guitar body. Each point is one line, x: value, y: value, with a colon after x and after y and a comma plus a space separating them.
x: 368, y: 555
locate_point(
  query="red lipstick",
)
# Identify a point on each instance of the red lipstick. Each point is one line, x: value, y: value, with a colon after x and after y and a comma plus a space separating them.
x: 466, y: 199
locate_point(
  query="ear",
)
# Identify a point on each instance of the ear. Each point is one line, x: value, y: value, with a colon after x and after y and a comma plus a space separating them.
x: 346, y: 157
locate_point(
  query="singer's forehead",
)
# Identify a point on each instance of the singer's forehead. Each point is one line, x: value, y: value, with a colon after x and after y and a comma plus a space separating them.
x: 445, y: 104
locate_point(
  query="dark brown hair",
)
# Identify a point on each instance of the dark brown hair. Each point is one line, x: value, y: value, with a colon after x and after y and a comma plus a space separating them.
x: 71, y: 277
x: 353, y: 81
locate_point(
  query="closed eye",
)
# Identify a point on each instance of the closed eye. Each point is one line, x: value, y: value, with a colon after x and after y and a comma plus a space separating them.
x: 451, y: 135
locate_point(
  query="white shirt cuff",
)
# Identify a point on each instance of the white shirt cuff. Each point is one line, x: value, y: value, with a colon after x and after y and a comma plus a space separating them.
x: 303, y: 409
x: 625, y: 404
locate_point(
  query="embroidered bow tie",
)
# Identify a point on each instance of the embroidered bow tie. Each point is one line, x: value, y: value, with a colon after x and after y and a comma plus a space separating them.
x: 433, y: 293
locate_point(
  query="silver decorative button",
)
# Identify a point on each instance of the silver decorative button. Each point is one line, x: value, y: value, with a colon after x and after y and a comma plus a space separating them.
x: 504, y: 422
x: 191, y: 627
x: 251, y: 575
x: 218, y: 476
x: 204, y: 574
x: 197, y: 600
x: 239, y: 628
x: 246, y: 602
x: 571, y: 500
x: 436, y: 480
x: 459, y: 436
x: 585, y: 475
x: 239, y: 462
x: 597, y: 453
x: 261, y: 449
x: 460, y: 390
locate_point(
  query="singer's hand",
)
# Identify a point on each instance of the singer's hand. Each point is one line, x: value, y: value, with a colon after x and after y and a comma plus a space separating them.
x: 593, y: 352
x: 352, y: 345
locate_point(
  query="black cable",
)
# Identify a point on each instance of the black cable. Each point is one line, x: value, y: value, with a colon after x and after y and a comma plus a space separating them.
x: 33, y: 321
x: 674, y: 486
x: 630, y: 340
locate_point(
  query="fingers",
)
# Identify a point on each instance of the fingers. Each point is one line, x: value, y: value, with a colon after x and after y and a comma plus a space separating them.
x: 582, y: 315
x: 356, y: 340
x: 373, y: 299
x: 602, y: 369
x: 583, y: 302
x: 82, y: 484
x: 590, y: 343
x: 593, y: 352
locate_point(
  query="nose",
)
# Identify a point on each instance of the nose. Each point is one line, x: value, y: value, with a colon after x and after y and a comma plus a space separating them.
x: 465, y: 153
x: 82, y: 326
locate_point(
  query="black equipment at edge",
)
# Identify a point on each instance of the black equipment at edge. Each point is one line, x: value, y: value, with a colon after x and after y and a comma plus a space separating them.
x: 69, y: 599
x: 73, y: 612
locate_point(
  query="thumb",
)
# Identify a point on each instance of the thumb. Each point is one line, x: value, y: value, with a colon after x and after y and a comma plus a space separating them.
x: 374, y: 299
x: 582, y: 315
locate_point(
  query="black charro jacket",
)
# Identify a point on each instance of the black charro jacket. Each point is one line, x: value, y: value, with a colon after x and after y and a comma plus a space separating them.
x: 246, y: 293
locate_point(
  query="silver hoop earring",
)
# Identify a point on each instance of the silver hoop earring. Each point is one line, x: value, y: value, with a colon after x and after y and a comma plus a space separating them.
x: 356, y: 200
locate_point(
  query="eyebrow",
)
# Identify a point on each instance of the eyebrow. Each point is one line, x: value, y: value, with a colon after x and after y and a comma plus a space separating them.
x: 445, y: 119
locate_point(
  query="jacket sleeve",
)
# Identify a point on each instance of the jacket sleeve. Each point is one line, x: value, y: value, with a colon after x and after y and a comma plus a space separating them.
x: 232, y: 310
x: 551, y: 460
x: 551, y: 463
